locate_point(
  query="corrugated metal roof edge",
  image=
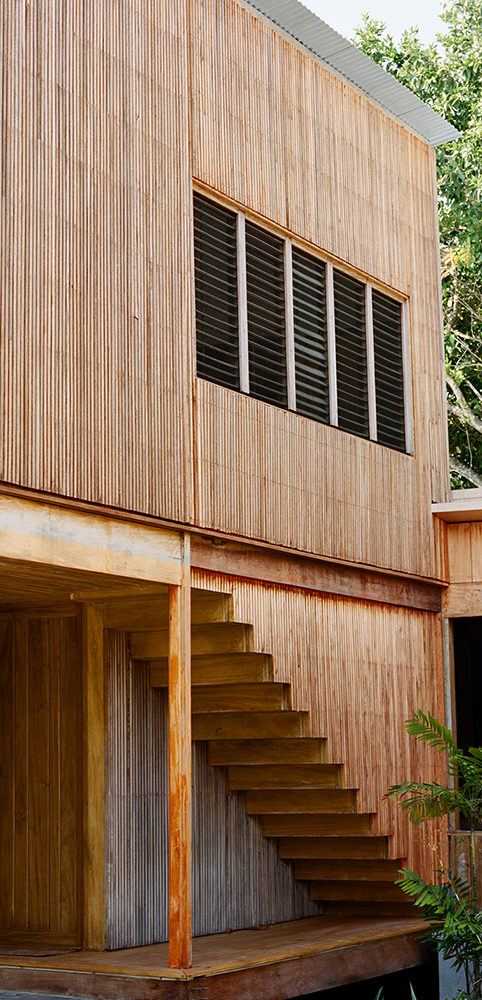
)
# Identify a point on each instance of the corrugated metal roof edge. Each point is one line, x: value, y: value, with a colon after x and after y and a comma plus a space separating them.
x: 312, y: 33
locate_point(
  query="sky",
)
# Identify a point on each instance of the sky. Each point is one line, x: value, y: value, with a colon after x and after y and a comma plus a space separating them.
x: 345, y: 15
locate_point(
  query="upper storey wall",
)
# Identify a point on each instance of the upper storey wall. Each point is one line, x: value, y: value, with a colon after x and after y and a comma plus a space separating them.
x: 97, y: 287
x: 97, y: 342
x: 275, y: 132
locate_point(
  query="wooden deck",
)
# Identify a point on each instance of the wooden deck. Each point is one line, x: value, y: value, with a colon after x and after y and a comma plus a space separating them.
x: 266, y: 963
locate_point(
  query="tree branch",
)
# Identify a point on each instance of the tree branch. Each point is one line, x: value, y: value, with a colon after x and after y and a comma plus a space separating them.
x: 462, y: 411
x: 464, y: 470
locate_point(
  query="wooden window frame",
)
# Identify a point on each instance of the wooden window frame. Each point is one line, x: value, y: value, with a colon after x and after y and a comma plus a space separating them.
x: 330, y: 267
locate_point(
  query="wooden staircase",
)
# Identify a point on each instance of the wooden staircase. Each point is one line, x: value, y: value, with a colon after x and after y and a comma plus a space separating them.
x: 270, y: 756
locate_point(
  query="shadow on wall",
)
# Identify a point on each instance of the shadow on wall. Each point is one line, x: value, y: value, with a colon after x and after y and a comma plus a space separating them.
x: 396, y: 986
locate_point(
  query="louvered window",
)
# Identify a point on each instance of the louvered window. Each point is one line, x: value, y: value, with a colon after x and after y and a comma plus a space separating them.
x: 351, y: 354
x: 216, y: 293
x: 266, y: 316
x: 387, y: 340
x: 277, y: 323
x: 310, y: 337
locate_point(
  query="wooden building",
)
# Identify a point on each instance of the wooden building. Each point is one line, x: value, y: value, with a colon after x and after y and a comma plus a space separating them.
x: 223, y: 430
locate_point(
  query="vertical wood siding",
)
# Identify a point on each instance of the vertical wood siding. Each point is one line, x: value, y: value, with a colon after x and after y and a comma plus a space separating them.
x: 279, y: 134
x: 360, y: 668
x: 238, y: 880
x: 95, y: 253
x: 40, y: 777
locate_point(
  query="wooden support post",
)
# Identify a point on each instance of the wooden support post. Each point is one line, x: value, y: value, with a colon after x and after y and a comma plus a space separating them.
x: 180, y: 931
x: 93, y: 775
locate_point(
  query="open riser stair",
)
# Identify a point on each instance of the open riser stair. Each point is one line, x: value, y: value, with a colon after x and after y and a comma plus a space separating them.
x: 269, y: 755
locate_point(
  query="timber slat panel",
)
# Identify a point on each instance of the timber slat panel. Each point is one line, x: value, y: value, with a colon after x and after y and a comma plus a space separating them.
x: 41, y: 767
x: 250, y: 725
x: 7, y: 787
x: 285, y: 776
x: 333, y: 847
x: 300, y: 800
x: 219, y: 668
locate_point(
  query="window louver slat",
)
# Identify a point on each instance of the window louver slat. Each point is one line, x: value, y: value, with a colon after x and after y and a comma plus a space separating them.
x: 266, y: 316
x: 387, y: 339
x: 351, y: 356
x: 311, y: 353
x: 216, y: 293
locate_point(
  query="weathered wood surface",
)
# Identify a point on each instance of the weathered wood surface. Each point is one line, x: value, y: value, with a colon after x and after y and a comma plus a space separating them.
x: 93, y: 776
x: 272, y: 566
x: 360, y: 668
x: 95, y: 359
x: 180, y: 770
x: 111, y: 296
x: 40, y: 773
x: 276, y: 133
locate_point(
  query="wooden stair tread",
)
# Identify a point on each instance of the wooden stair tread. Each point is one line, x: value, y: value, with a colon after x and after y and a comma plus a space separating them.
x: 346, y: 869
x: 258, y: 697
x: 333, y: 847
x: 214, y: 637
x: 284, y: 776
x: 249, y: 725
x: 352, y: 908
x: 152, y: 612
x: 219, y: 668
x: 309, y: 750
x: 300, y: 800
x: 318, y: 825
x: 368, y: 892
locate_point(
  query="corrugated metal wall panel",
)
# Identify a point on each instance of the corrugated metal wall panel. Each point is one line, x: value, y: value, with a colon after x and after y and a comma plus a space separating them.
x: 238, y: 879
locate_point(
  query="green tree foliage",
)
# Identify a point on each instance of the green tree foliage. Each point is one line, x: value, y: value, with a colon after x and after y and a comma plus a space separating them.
x: 450, y: 905
x: 448, y: 77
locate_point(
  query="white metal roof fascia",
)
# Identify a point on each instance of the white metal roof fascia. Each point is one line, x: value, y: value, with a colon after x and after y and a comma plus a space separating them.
x: 296, y: 20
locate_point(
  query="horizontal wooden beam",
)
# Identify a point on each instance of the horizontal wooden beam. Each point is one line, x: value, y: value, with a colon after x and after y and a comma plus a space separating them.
x: 272, y: 566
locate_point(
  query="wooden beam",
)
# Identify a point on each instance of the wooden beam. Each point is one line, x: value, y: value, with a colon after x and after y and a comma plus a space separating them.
x: 93, y: 776
x: 180, y: 929
x: 310, y: 573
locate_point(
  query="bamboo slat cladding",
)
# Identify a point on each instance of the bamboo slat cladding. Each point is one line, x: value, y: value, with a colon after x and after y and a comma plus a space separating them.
x: 360, y: 668
x: 96, y: 245
x: 40, y: 818
x: 279, y: 134
x: 268, y: 473
x: 238, y: 879
x: 136, y: 803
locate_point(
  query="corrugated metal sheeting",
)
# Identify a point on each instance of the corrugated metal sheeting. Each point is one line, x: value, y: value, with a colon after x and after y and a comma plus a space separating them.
x: 324, y: 42
x: 238, y: 879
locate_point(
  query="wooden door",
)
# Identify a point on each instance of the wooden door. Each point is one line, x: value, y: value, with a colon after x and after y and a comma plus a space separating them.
x: 40, y: 780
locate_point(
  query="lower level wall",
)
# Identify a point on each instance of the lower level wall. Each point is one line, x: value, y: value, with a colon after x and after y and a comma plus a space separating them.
x: 238, y: 879
x: 361, y: 668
